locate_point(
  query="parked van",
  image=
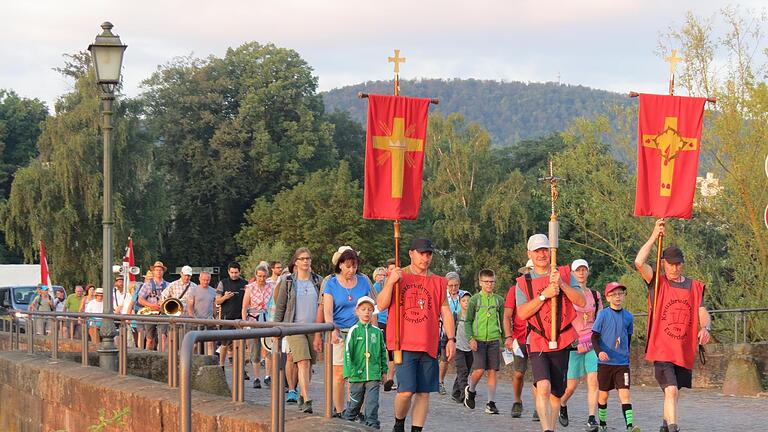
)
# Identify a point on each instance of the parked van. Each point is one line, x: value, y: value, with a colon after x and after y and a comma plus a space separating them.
x: 16, y: 299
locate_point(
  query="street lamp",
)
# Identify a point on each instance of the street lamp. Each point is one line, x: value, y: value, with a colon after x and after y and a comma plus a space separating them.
x: 107, y: 53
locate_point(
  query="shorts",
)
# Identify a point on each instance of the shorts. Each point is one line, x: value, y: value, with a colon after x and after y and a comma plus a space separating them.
x: 301, y: 347
x: 152, y: 330
x: 551, y: 366
x: 668, y: 374
x: 520, y: 364
x: 419, y: 373
x: 255, y: 346
x: 610, y: 377
x: 580, y: 364
x: 338, y: 349
x: 390, y: 354
x: 487, y: 356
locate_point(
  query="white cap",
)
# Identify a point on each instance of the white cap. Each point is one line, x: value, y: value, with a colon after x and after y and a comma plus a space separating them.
x: 99, y: 291
x: 537, y: 241
x: 365, y: 299
x: 186, y: 270
x: 337, y: 254
x: 579, y: 263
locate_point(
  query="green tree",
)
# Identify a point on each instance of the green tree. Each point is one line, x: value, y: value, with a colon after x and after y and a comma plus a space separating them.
x: 321, y: 213
x: 232, y: 129
x: 57, y: 197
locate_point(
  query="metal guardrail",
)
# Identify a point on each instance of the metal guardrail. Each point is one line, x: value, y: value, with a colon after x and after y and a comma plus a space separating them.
x: 243, y: 330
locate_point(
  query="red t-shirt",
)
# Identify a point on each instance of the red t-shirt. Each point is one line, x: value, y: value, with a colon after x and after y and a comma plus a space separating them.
x: 519, y: 326
x: 421, y: 300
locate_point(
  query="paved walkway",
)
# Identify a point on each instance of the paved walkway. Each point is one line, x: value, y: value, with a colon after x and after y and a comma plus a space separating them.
x: 701, y: 410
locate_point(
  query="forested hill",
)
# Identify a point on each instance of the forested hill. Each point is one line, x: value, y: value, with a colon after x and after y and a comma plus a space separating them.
x: 510, y: 111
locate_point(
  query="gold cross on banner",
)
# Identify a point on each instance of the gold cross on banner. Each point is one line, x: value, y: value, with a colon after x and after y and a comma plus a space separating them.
x: 669, y: 143
x: 396, y: 60
x: 396, y: 144
x: 673, y: 60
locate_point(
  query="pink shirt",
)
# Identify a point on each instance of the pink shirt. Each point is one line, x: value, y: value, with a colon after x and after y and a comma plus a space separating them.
x: 585, y: 316
x: 259, y: 298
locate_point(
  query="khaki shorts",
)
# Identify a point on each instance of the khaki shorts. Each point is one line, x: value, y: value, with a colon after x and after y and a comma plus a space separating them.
x: 301, y: 347
x: 338, y: 349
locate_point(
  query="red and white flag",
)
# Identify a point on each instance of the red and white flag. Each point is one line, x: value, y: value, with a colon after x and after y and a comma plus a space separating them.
x: 45, y: 277
x: 129, y: 258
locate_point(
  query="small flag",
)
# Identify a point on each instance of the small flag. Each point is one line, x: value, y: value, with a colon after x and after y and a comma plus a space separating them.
x: 45, y: 277
x: 129, y: 258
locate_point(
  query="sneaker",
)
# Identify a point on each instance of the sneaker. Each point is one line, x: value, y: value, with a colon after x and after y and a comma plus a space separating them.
x: 633, y: 429
x: 307, y: 408
x: 673, y: 428
x: 267, y: 381
x: 457, y: 399
x: 490, y: 408
x: 591, y: 426
x: 602, y: 429
x: 517, y: 409
x: 301, y: 401
x: 563, y: 417
x: 394, y: 386
x: 535, y: 416
x: 388, y: 384
x: 441, y: 389
x: 245, y: 376
x: 293, y: 397
x: 663, y: 429
x: 257, y: 383
x: 469, y: 398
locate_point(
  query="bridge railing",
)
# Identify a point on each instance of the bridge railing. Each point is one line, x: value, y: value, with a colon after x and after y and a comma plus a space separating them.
x: 193, y: 333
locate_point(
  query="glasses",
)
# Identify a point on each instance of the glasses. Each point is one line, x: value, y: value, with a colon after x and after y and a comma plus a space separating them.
x: 488, y: 281
x: 304, y: 259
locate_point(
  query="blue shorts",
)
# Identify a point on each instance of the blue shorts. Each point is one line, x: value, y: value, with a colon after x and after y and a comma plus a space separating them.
x: 580, y: 364
x: 419, y: 373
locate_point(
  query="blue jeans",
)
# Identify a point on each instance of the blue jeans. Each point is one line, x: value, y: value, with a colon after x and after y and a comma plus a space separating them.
x: 359, y: 392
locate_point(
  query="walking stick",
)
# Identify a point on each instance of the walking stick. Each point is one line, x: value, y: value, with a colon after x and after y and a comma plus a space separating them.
x: 554, y: 236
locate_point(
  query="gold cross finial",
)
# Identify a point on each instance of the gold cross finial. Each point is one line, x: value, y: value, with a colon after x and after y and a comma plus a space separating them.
x: 397, y: 60
x: 673, y: 60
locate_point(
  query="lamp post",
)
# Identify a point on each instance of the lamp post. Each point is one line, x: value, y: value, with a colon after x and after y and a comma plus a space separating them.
x: 107, y: 54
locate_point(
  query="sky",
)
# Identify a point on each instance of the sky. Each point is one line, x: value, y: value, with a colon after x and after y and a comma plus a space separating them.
x: 605, y: 44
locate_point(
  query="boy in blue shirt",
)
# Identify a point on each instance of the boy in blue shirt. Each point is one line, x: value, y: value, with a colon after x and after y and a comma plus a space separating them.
x: 611, y: 333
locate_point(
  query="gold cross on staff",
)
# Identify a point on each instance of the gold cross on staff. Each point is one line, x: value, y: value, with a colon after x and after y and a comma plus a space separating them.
x: 669, y: 143
x: 673, y: 60
x: 396, y: 60
x: 397, y: 143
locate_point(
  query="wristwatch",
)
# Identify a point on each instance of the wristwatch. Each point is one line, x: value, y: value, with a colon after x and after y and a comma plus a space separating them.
x: 542, y: 297
x: 452, y: 339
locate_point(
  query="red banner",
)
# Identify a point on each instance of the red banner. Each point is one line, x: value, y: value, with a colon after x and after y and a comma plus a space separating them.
x: 45, y: 277
x: 394, y: 156
x: 669, y: 140
x: 130, y: 259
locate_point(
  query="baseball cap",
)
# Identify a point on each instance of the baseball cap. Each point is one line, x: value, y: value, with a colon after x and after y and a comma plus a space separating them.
x: 673, y: 255
x: 186, y: 270
x: 579, y: 263
x: 422, y: 245
x: 612, y: 286
x: 365, y: 299
x: 463, y: 294
x: 537, y: 241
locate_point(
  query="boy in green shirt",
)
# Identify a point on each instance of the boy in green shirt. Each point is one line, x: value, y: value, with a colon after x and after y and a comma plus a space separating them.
x: 484, y: 332
x: 365, y: 365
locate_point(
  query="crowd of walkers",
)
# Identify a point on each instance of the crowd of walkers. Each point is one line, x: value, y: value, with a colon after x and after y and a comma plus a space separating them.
x: 439, y: 324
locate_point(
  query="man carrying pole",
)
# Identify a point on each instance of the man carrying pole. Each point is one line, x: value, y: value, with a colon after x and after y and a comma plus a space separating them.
x: 545, y: 298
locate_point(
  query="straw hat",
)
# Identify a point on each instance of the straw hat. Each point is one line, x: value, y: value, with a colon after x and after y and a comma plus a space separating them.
x: 158, y: 264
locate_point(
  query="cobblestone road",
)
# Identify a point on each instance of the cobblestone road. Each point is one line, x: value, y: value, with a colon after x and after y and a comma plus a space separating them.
x: 701, y: 410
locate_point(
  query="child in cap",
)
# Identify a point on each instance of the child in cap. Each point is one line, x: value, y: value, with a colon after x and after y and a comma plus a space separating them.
x: 611, y: 334
x: 365, y: 364
x: 463, y: 357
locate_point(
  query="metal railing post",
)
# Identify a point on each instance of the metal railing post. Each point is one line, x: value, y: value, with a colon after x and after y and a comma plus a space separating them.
x: 18, y: 335
x: 122, y: 348
x: 84, y: 343
x: 744, y: 327
x: 185, y: 387
x: 31, y: 335
x: 172, y: 352
x: 280, y: 380
x: 55, y: 339
x: 328, y: 375
x: 735, y: 328
x: 277, y: 392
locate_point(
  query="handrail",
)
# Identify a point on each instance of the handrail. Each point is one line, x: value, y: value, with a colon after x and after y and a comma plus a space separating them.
x: 278, y: 409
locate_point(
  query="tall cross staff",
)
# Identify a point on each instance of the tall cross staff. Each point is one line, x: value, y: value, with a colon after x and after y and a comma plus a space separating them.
x: 554, y: 237
x: 398, y: 353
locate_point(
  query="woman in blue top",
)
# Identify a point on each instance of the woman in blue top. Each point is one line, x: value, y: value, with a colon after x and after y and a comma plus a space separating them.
x: 340, y: 294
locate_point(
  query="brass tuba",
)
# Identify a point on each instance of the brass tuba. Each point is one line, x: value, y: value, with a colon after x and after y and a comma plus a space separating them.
x: 171, y: 306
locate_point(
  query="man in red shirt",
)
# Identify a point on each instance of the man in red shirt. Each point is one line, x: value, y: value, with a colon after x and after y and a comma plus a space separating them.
x: 423, y: 301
